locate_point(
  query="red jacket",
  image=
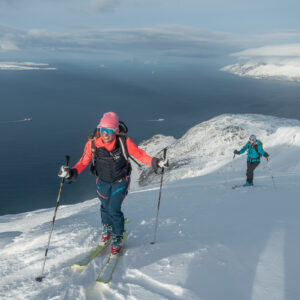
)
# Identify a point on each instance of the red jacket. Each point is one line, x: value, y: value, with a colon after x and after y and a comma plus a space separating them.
x: 133, y: 150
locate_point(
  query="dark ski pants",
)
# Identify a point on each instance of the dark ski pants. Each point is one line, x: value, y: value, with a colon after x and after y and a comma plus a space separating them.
x: 112, y: 196
x: 250, y: 169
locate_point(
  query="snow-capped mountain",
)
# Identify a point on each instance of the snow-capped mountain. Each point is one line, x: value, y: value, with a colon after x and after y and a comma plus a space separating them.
x: 263, y: 70
x: 279, y: 62
x: 213, y: 242
x: 23, y: 66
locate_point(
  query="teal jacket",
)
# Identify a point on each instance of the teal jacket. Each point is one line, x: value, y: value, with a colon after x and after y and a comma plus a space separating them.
x: 255, y: 151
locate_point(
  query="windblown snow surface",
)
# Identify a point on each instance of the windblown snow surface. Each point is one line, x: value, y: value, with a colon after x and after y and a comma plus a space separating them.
x: 213, y: 242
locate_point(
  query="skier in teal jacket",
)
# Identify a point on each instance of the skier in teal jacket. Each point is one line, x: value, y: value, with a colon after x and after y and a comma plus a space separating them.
x: 255, y: 151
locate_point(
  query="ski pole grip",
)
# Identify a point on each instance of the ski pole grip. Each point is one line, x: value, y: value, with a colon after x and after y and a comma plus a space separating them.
x: 67, y: 160
x: 165, y: 153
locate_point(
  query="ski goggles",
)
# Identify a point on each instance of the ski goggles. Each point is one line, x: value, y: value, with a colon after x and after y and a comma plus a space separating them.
x: 108, y: 131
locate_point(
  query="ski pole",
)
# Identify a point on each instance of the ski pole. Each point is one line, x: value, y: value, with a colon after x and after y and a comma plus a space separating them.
x: 231, y: 169
x: 158, y: 203
x: 41, y: 277
x: 231, y: 162
x: 271, y: 173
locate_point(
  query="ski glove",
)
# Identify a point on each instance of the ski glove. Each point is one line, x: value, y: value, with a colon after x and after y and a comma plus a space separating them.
x: 163, y: 163
x: 64, y: 172
x: 67, y: 173
x: 236, y: 152
x: 159, y: 163
x: 266, y: 155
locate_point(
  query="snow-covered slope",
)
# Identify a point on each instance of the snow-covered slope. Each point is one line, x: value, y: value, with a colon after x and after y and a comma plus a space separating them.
x: 265, y: 71
x: 209, y: 146
x: 279, y: 62
x: 213, y: 242
x: 22, y: 66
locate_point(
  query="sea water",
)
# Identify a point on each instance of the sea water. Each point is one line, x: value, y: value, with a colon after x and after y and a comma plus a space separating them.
x: 66, y: 105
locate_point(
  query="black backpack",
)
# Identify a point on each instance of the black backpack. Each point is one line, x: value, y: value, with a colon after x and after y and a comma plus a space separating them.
x: 256, y: 146
x: 122, y: 135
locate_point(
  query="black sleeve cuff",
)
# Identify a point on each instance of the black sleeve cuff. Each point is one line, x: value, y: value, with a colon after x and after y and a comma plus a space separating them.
x: 154, y: 163
x: 73, y: 175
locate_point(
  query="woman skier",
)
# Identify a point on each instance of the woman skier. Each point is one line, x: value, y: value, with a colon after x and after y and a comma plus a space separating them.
x: 255, y: 151
x: 111, y: 165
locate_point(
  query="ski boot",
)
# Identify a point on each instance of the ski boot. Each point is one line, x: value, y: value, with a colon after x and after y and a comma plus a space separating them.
x: 106, y: 233
x: 116, y: 244
x: 248, y: 184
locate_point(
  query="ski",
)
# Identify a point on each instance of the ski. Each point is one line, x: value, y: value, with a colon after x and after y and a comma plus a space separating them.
x: 110, y: 264
x: 237, y: 186
x: 94, y: 253
x: 240, y: 185
x: 97, y: 251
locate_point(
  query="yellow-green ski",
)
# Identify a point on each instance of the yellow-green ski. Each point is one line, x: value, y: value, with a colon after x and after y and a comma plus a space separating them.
x: 82, y: 264
x: 106, y: 273
x: 94, y: 253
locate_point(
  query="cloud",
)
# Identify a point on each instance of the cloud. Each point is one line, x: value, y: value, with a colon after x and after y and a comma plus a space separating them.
x: 23, y: 66
x: 7, y: 45
x: 155, y: 42
x: 288, y: 50
x: 8, y: 40
x: 172, y: 40
x: 66, y: 6
x: 268, y: 62
x: 103, y: 5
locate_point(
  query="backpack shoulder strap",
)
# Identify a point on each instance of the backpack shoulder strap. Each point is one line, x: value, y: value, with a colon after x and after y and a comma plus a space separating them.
x: 93, y: 149
x: 256, y: 146
x: 123, y: 144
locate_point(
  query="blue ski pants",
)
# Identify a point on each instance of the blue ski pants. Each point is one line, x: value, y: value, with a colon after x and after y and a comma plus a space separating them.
x: 112, y: 196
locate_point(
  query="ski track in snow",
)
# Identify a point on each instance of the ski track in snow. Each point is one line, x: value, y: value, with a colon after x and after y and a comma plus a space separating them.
x: 212, y: 242
x: 169, y: 291
x: 269, y: 277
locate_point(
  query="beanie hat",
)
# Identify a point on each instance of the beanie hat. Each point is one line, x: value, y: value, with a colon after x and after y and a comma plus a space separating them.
x: 252, y: 137
x: 110, y: 120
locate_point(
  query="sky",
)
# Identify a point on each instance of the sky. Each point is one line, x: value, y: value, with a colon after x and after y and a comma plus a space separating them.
x: 145, y: 29
x: 217, y: 15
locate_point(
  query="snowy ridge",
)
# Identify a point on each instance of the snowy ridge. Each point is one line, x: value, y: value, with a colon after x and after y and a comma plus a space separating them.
x: 280, y: 62
x: 213, y: 242
x: 24, y: 66
x: 265, y: 70
x: 209, y: 146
